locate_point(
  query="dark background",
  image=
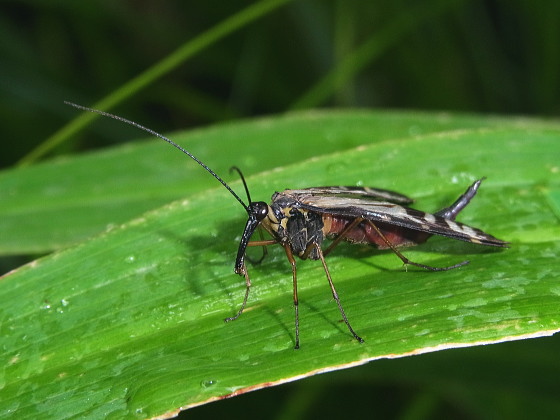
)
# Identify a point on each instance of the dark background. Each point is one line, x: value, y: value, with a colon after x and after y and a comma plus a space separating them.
x: 499, y: 57
x: 476, y: 56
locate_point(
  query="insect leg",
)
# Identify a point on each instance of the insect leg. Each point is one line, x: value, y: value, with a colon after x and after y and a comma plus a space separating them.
x: 342, y: 234
x: 263, y: 243
x: 335, y: 294
x: 248, y: 287
x: 292, y: 260
x: 264, y: 249
x: 406, y: 260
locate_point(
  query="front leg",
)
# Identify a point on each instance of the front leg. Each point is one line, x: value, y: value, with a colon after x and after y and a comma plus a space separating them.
x: 262, y: 243
x: 244, y: 303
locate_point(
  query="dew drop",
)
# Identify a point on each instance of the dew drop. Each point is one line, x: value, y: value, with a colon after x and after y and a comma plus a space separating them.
x: 208, y: 383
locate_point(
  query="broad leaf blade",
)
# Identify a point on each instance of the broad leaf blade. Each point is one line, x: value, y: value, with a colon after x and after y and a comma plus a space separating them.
x: 130, y: 322
x: 58, y: 203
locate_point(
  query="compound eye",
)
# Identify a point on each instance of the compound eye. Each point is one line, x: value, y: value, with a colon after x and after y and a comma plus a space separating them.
x: 260, y: 209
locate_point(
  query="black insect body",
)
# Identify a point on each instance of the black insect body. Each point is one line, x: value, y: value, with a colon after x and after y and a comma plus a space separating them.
x: 301, y: 220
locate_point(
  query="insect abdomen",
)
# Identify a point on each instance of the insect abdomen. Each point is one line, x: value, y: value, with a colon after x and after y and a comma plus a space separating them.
x: 364, y: 233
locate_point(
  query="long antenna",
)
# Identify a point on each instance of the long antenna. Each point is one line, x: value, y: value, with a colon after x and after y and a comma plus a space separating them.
x: 236, y: 169
x: 171, y: 142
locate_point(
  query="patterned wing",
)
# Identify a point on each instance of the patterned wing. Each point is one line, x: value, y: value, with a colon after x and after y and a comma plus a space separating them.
x: 393, y: 214
x: 355, y: 192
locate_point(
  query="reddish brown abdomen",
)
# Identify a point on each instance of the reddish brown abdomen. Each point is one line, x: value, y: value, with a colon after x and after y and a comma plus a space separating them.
x: 364, y: 233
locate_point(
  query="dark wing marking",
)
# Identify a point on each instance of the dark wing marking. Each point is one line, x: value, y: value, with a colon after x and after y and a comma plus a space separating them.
x: 393, y: 214
x: 355, y: 192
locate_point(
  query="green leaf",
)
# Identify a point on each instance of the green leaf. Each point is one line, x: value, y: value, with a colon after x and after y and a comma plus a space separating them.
x: 130, y: 323
x: 54, y: 204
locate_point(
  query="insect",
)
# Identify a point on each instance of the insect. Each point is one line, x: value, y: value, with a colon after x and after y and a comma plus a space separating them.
x: 301, y: 220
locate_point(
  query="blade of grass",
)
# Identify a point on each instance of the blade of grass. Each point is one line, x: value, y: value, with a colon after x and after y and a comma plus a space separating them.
x: 372, y: 48
x: 57, y: 203
x: 130, y: 323
x: 169, y: 63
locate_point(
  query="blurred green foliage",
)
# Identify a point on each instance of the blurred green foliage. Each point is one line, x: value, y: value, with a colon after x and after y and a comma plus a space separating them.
x: 480, y: 56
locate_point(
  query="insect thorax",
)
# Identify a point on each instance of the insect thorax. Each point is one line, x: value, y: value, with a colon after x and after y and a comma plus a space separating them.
x: 294, y: 225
